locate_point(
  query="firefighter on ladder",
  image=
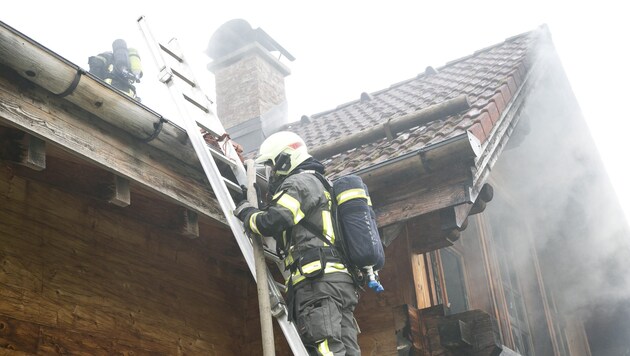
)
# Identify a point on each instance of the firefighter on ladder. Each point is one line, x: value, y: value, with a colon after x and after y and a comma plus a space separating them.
x: 120, y: 68
x: 321, y: 292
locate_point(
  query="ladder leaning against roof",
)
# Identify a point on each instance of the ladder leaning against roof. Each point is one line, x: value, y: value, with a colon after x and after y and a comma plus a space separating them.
x: 184, y: 90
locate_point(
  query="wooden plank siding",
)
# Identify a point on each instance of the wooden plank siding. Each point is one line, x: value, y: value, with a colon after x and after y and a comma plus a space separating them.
x: 375, y: 312
x: 78, y: 276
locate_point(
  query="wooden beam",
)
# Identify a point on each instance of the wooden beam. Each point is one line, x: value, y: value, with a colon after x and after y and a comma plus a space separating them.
x: 455, y: 334
x: 18, y: 147
x: 407, y: 329
x: 35, y: 153
x: 391, y: 232
x: 427, y: 201
x: 72, y: 129
x: 457, y: 217
x: 430, y: 236
x: 117, y: 192
x: 407, y: 197
x: 484, y: 332
x: 189, y: 223
x: 429, y: 320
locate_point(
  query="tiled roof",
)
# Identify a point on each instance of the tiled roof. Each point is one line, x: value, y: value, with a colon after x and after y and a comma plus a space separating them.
x: 490, y: 77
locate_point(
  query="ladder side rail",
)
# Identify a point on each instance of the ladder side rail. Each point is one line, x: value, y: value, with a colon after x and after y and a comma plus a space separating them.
x: 166, y: 76
x: 207, y: 162
x: 228, y: 148
x: 220, y: 189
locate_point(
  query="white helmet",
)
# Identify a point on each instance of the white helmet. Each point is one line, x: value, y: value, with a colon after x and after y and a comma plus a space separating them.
x: 284, y: 150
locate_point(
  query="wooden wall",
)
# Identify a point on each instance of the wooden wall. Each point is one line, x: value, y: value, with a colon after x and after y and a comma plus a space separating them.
x: 80, y: 276
x: 374, y: 312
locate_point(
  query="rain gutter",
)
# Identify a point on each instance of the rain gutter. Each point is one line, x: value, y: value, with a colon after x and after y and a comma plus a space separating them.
x: 54, y: 73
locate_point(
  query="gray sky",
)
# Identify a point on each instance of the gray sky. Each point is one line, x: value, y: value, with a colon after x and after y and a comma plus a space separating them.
x: 343, y: 48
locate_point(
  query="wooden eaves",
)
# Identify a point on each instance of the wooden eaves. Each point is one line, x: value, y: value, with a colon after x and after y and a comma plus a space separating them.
x: 76, y: 113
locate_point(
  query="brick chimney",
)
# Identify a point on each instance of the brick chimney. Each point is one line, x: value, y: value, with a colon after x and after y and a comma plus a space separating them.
x: 249, y: 80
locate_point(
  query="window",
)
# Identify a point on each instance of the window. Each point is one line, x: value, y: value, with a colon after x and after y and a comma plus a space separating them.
x: 515, y: 305
x: 448, y: 280
x: 454, y: 280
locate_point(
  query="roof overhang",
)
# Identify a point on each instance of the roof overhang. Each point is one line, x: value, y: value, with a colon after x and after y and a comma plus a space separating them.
x: 104, y: 127
x: 446, y: 180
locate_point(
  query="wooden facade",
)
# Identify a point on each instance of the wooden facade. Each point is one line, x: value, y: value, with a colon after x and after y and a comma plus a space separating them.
x: 80, y: 275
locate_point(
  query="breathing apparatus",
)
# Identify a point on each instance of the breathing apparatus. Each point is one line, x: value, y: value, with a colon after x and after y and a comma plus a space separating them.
x: 120, y: 68
x: 126, y: 61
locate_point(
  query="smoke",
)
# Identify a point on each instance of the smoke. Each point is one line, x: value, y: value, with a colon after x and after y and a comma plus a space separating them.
x: 552, y: 189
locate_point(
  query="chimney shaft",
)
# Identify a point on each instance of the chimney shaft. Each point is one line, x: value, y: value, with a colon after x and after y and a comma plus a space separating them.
x: 249, y: 80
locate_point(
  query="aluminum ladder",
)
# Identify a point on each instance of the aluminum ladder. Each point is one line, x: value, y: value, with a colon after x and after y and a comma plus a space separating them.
x: 187, y: 95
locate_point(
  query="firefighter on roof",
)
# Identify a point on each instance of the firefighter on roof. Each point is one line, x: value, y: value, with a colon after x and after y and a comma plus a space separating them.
x: 120, y: 68
x: 321, y: 292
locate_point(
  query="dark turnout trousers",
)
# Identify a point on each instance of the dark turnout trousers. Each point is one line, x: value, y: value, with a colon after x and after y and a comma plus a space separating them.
x: 324, y: 315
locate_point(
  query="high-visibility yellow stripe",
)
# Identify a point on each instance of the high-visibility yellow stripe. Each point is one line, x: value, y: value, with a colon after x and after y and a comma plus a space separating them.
x: 315, y: 266
x: 351, y: 194
x: 288, y: 260
x: 327, y: 194
x: 293, y: 205
x: 323, y: 348
x: 252, y: 223
x: 327, y: 227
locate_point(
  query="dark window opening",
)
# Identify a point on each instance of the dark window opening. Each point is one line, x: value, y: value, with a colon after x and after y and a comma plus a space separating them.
x: 454, y: 280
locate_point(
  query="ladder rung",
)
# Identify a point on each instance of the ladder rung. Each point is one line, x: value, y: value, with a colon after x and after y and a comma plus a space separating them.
x: 196, y: 103
x: 272, y: 256
x: 281, y: 286
x: 171, y: 52
x: 183, y: 77
x: 221, y: 157
x: 231, y: 185
x: 212, y: 127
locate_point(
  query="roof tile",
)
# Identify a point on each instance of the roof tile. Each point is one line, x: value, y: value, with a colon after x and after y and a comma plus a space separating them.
x: 490, y: 78
x: 486, y: 123
x: 493, y: 111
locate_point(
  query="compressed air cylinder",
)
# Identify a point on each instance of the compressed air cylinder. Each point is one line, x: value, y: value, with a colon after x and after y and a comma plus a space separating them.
x: 134, y: 63
x: 121, y: 55
x: 360, y: 233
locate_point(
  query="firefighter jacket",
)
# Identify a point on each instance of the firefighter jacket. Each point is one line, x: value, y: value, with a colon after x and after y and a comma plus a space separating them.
x: 301, y: 198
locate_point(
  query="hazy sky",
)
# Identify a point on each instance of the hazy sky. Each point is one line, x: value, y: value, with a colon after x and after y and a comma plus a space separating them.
x: 343, y: 48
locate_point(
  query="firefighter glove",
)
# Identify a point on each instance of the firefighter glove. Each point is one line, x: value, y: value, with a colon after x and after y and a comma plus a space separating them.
x: 243, y: 210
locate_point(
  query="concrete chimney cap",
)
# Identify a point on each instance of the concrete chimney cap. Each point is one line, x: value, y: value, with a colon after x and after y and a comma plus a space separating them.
x: 238, y: 33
